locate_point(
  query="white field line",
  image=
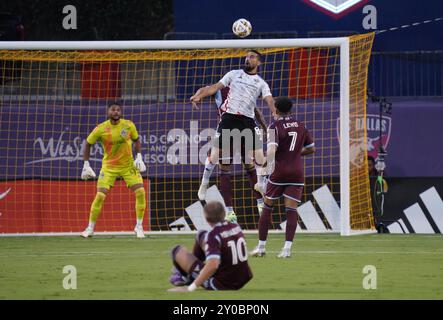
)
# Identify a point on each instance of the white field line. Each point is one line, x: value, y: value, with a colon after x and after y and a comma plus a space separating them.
x: 80, y: 254
x: 364, y: 252
x: 132, y: 239
x: 151, y: 253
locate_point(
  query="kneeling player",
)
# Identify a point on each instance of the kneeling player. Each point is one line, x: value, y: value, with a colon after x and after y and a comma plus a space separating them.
x: 292, y: 140
x: 224, y: 250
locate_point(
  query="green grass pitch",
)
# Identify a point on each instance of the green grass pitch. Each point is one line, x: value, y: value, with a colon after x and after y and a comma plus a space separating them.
x: 322, y: 267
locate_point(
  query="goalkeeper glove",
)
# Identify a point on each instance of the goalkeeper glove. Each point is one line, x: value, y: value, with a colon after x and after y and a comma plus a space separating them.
x: 87, y: 171
x: 138, y: 163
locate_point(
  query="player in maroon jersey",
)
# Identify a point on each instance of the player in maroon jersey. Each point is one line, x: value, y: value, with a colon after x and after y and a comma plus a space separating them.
x: 292, y: 141
x: 223, y: 250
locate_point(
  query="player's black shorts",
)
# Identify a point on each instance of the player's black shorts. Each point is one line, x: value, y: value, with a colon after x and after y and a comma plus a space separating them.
x: 237, y: 133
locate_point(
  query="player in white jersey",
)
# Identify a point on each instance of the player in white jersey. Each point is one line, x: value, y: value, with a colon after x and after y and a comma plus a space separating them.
x: 220, y: 97
x: 245, y: 87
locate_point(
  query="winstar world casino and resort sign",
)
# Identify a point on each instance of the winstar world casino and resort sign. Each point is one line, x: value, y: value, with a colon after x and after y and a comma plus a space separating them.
x: 336, y: 8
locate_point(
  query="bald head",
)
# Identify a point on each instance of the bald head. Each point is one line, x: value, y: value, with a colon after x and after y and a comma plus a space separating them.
x: 214, y: 212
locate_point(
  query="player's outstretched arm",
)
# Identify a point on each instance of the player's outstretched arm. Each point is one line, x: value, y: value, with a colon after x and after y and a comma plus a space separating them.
x: 270, y: 102
x: 208, y: 271
x: 87, y: 171
x: 205, y: 92
x: 261, y: 120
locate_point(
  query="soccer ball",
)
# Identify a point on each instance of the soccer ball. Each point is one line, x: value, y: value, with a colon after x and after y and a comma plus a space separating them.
x: 242, y: 28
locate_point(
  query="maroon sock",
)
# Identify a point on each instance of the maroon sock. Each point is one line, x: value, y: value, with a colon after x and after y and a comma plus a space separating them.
x: 291, y: 223
x: 252, y: 176
x: 225, y: 187
x: 264, y: 222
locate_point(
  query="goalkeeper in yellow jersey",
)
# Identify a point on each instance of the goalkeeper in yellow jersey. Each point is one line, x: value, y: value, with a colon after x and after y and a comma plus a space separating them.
x: 116, y: 136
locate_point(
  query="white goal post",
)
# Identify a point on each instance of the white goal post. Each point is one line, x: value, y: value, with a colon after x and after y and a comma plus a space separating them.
x: 343, y: 43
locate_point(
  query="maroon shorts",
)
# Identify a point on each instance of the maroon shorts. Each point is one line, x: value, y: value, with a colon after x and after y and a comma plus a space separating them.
x: 211, y: 283
x: 275, y: 191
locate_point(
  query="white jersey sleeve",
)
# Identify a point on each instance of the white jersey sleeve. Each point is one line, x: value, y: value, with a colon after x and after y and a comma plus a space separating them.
x: 226, y: 80
x: 265, y: 91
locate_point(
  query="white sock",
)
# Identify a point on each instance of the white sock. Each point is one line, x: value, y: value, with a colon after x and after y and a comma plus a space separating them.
x: 262, y: 178
x: 260, y: 201
x: 139, y: 222
x: 261, y: 172
x: 261, y: 243
x: 91, y: 225
x: 265, y: 182
x: 288, y: 245
x: 230, y: 209
x: 209, y: 167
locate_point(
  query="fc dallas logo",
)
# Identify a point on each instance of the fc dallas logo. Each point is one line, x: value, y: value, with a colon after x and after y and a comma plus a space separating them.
x: 357, y: 146
x: 336, y: 8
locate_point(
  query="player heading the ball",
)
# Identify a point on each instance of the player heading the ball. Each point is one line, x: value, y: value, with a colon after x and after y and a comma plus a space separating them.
x: 116, y: 136
x: 237, y: 130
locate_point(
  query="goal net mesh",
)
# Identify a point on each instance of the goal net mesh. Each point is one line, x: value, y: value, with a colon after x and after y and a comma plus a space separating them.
x: 51, y: 100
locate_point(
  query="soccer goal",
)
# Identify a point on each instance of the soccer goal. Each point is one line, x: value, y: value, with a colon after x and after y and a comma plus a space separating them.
x: 52, y: 94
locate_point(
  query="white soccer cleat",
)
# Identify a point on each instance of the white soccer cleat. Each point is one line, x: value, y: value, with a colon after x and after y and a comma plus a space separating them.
x: 202, y: 191
x: 284, y: 253
x: 87, y: 233
x: 139, y: 232
x: 231, y: 217
x: 259, y: 251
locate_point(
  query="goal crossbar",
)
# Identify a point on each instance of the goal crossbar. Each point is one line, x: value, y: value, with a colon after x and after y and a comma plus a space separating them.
x: 171, y: 44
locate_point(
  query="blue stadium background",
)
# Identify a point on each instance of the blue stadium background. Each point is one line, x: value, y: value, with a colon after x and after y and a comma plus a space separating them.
x: 405, y: 62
